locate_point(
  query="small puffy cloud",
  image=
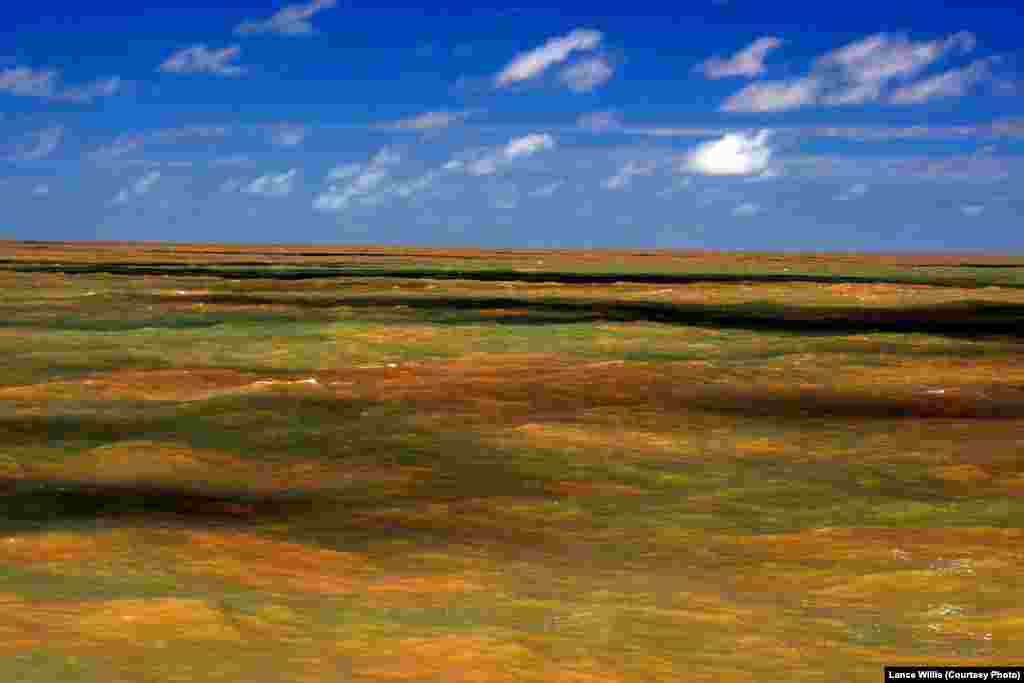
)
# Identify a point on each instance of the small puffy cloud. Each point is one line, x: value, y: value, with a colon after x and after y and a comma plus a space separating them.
x: 732, y: 154
x: 273, y: 185
x: 140, y: 187
x: 430, y: 120
x: 45, y: 83
x: 852, y: 192
x: 201, y: 59
x: 599, y: 121
x: 953, y: 83
x: 533, y: 63
x: 356, y: 182
x: 861, y: 72
x: 291, y: 20
x: 587, y: 75
x: 972, y: 210
x: 38, y: 145
x: 747, y: 62
x: 625, y: 175
x: 746, y: 210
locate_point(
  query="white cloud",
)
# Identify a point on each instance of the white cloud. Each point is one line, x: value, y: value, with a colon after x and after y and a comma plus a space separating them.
x: 972, y: 210
x: 351, y: 182
x: 291, y: 20
x: 953, y: 83
x: 140, y: 187
x: 732, y: 154
x: 39, y: 145
x: 852, y: 192
x: 201, y: 59
x: 45, y: 83
x: 624, y: 177
x: 746, y: 210
x: 533, y: 63
x: 858, y: 73
x: 587, y: 75
x: 287, y: 134
x: 430, y: 120
x: 273, y: 185
x: 747, y: 62
x: 41, y: 190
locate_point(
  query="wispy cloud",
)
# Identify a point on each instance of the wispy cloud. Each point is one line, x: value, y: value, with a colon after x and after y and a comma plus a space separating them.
x: 857, y: 73
x: 430, y: 120
x: 732, y: 154
x: 41, y: 190
x: 747, y: 62
x: 291, y: 20
x: 286, y: 134
x: 352, y: 182
x: 852, y: 192
x: 140, y: 187
x: 972, y: 210
x: 622, y: 179
x: 746, y: 210
x: 587, y: 75
x: 38, y: 144
x: 493, y: 161
x: 600, y: 121
x: 201, y: 59
x: 533, y: 63
x: 134, y: 142
x: 45, y: 83
x: 273, y: 185
x: 953, y: 83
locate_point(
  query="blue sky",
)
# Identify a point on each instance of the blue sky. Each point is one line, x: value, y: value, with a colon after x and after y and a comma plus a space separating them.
x: 720, y: 124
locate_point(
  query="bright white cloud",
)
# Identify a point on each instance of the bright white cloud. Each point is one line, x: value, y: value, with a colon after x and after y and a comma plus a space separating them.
x: 852, y: 192
x: 587, y: 75
x: 273, y: 185
x: 953, y: 83
x: 746, y: 210
x: 535, y: 62
x: 622, y: 179
x: 291, y: 20
x: 747, y: 62
x: 201, y: 59
x: 45, y: 83
x: 862, y: 72
x: 732, y: 154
